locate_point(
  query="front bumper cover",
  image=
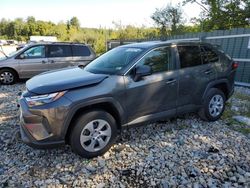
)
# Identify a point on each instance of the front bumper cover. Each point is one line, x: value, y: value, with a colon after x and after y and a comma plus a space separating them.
x: 35, y: 129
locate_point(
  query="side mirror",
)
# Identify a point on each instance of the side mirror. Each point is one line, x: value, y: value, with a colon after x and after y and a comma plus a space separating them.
x: 142, y: 70
x: 22, y: 56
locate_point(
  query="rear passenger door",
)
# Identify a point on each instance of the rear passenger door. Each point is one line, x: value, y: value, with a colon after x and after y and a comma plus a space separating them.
x: 195, y: 72
x: 59, y: 56
x: 82, y: 55
x: 210, y: 59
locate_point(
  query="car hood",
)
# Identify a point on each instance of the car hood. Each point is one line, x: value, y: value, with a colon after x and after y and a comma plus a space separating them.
x: 3, y: 60
x: 63, y: 79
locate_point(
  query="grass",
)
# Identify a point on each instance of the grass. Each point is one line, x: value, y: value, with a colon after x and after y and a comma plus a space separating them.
x: 241, y: 96
x: 228, y: 113
x: 243, y: 130
x: 244, y: 110
x: 245, y: 103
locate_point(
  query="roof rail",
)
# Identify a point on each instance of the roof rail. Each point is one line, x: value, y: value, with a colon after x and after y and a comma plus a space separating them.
x: 67, y: 43
x: 48, y: 42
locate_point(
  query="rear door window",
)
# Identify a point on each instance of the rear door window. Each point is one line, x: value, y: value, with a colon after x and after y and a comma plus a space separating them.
x: 209, y: 55
x: 80, y: 50
x: 59, y: 51
x: 190, y: 56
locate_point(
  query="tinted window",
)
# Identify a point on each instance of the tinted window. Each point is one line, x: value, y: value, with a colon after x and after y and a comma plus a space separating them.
x: 59, y: 51
x: 189, y: 56
x: 209, y: 55
x: 159, y: 59
x: 80, y: 50
x: 35, y: 52
x: 114, y: 60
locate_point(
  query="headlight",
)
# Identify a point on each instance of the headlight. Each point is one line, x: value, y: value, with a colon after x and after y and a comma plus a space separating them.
x: 44, y: 99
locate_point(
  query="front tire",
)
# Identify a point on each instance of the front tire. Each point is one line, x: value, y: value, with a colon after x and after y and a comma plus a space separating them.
x: 213, y: 106
x: 7, y: 77
x: 93, y: 134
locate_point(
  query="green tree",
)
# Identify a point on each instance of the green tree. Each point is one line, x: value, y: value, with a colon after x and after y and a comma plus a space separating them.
x: 223, y: 14
x: 168, y: 18
x: 60, y: 31
x: 31, y: 26
x: 75, y: 22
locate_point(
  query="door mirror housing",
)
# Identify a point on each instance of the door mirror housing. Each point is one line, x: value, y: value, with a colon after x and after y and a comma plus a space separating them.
x: 22, y: 56
x: 141, y: 71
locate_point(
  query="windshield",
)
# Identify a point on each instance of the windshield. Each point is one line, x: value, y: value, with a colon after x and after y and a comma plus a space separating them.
x: 114, y: 60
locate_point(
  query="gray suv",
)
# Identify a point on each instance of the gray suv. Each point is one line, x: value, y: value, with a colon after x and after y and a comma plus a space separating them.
x: 129, y: 85
x: 40, y: 57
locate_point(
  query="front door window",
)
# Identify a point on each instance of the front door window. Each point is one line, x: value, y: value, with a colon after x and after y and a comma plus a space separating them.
x: 35, y: 52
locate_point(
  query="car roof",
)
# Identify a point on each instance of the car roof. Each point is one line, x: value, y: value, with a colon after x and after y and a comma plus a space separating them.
x: 152, y: 44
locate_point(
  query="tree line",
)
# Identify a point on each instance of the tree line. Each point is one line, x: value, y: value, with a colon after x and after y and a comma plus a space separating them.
x: 21, y: 29
x: 215, y: 15
x: 169, y: 20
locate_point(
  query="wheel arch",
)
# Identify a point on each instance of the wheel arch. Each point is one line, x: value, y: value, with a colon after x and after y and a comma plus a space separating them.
x: 222, y: 84
x: 10, y: 68
x: 107, y: 105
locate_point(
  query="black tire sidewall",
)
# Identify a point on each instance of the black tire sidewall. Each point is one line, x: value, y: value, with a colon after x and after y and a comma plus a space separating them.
x: 209, y: 96
x: 81, y: 122
x: 12, y: 72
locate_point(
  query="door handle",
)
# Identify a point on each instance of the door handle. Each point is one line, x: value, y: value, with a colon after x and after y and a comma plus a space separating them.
x: 171, y: 81
x: 209, y: 71
x: 52, y: 61
x: 44, y: 62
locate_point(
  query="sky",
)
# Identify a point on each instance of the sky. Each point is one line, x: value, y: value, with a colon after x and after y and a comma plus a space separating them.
x: 91, y: 13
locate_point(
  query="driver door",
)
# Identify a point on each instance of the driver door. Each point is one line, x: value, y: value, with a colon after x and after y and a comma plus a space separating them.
x: 155, y: 95
x: 33, y: 61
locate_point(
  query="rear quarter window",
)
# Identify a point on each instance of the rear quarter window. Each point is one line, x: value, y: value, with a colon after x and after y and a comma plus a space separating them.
x: 80, y: 50
x: 209, y: 55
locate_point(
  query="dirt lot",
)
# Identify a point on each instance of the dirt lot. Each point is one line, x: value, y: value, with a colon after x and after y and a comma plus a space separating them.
x: 183, y: 152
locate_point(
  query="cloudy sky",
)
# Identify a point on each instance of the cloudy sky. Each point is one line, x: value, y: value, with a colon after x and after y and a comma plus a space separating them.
x: 91, y: 13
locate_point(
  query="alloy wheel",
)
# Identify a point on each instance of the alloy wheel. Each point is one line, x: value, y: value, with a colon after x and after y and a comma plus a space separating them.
x: 216, y: 105
x: 95, y: 135
x: 6, y: 77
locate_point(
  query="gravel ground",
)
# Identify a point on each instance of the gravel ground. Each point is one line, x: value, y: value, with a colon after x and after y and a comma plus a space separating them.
x: 183, y: 152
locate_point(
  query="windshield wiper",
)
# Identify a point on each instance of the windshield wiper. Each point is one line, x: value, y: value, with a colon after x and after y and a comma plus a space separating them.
x: 3, y: 52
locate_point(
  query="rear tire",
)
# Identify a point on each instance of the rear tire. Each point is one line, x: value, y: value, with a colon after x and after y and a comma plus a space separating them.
x: 93, y: 134
x: 8, y: 77
x: 213, y: 105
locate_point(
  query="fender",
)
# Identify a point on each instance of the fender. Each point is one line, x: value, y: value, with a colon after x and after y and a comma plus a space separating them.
x: 83, y: 104
x: 213, y: 83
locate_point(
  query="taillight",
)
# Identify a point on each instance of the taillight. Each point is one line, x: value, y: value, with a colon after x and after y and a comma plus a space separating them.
x: 235, y: 65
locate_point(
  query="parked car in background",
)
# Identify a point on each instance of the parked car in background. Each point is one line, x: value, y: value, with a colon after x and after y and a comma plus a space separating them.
x: 128, y: 85
x: 36, y: 58
x: 12, y: 42
x: 3, y: 42
x: 20, y: 46
x: 37, y: 39
x: 43, y: 39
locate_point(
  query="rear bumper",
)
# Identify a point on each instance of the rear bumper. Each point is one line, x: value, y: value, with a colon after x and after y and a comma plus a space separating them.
x: 230, y: 93
x: 231, y: 90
